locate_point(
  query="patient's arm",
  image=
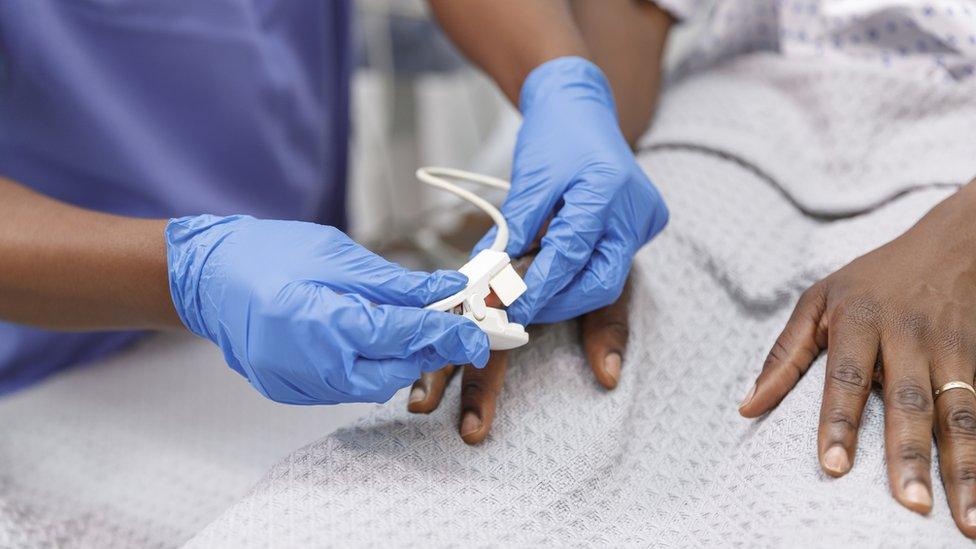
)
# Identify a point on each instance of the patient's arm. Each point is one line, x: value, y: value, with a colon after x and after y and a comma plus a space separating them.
x: 509, y: 38
x: 604, y: 334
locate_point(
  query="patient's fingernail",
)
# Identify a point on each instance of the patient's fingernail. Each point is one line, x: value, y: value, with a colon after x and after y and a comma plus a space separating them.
x: 611, y: 365
x: 470, y: 423
x: 836, y: 461
x: 418, y: 394
x: 749, y: 395
x: 917, y: 496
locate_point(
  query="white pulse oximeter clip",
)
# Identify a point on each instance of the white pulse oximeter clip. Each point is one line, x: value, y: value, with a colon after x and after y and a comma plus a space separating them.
x: 490, y: 270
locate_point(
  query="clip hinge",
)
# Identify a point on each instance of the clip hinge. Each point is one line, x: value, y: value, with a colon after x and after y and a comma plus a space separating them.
x: 490, y: 271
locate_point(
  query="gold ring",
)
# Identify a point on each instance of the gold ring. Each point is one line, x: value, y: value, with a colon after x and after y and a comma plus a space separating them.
x: 955, y: 385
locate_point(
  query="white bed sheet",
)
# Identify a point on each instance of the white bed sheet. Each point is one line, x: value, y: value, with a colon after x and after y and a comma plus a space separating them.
x: 142, y: 449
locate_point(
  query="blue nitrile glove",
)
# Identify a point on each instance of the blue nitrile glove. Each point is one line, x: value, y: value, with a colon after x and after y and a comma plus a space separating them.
x: 572, y: 160
x: 307, y: 315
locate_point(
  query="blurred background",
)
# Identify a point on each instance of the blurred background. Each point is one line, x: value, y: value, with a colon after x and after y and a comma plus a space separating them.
x: 416, y: 102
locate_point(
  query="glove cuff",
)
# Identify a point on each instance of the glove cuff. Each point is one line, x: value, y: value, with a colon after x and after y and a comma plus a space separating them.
x: 189, y: 241
x: 575, y: 75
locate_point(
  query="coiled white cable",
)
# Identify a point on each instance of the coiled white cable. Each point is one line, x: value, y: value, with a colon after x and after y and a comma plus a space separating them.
x: 439, y: 177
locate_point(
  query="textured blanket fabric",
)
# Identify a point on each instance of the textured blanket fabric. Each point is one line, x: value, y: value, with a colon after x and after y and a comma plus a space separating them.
x: 776, y: 175
x: 141, y: 450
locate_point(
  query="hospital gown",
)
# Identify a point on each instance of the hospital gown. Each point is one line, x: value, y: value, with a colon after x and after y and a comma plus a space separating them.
x: 935, y: 39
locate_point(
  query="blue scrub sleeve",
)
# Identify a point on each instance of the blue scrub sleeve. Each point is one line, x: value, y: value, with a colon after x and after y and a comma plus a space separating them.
x: 28, y: 354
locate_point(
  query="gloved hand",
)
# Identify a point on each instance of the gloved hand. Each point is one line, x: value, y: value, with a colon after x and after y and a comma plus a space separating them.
x: 571, y: 154
x: 307, y: 315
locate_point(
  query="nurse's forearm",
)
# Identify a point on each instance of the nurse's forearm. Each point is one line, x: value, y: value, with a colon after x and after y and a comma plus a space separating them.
x: 626, y: 39
x: 509, y: 38
x: 69, y: 268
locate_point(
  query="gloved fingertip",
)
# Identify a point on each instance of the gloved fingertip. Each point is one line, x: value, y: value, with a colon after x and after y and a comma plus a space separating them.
x: 443, y: 283
x: 476, y: 346
x: 661, y: 218
x: 447, y: 279
x: 516, y: 246
x: 482, y: 354
x: 520, y: 312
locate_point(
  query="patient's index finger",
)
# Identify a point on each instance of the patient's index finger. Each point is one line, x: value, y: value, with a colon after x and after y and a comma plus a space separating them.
x: 480, y: 389
x: 795, y: 349
x: 851, y: 357
x: 427, y: 392
x: 605, y: 333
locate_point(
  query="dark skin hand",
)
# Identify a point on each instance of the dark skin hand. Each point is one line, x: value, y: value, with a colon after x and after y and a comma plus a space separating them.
x: 604, y: 334
x: 904, y: 315
x: 626, y: 39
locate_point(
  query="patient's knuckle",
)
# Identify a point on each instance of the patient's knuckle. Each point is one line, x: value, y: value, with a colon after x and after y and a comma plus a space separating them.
x: 815, y: 293
x: 778, y: 354
x: 913, y: 453
x: 812, y: 292
x: 960, y: 421
x: 477, y: 388
x: 472, y: 386
x: 909, y: 396
x: 955, y: 342
x: 616, y: 329
x: 849, y: 376
x: 963, y: 470
x: 914, y: 324
x: 839, y: 418
x: 859, y: 311
x: 770, y: 363
x: 776, y: 361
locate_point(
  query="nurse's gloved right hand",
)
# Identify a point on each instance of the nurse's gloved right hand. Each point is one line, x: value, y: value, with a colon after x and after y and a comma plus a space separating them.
x: 307, y: 315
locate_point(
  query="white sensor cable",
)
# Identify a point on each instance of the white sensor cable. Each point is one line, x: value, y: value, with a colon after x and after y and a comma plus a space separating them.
x: 490, y: 271
x: 440, y: 178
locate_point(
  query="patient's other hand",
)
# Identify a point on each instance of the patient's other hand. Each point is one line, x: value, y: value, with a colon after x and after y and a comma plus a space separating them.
x: 604, y: 335
x: 905, y: 315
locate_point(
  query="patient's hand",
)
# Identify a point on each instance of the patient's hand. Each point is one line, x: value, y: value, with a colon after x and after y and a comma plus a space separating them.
x: 904, y: 315
x: 604, y: 336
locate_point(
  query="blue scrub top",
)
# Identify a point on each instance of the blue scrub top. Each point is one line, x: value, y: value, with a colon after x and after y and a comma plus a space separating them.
x: 165, y: 108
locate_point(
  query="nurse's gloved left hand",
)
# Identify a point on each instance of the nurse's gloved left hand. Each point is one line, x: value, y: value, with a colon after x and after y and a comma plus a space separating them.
x: 572, y: 160
x: 307, y: 315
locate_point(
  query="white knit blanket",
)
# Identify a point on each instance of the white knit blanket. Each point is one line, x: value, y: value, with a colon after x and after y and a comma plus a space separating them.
x: 776, y: 174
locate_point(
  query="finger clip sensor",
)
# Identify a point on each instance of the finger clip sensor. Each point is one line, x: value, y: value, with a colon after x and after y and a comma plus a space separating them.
x: 489, y: 271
